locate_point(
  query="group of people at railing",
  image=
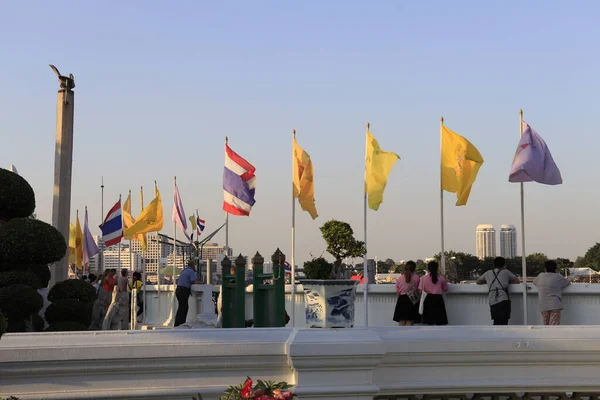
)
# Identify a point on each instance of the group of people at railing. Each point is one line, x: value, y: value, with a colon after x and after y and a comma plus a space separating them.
x: 421, y: 299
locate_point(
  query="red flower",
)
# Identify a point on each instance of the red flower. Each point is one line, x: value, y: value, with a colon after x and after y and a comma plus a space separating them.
x: 247, y: 389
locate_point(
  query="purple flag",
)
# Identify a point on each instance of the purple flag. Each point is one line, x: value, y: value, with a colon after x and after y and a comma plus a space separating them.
x: 178, y: 213
x: 90, y: 249
x: 533, y: 161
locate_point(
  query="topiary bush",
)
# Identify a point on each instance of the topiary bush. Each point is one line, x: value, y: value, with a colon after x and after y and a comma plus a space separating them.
x: 25, y: 277
x: 72, y: 289
x: 27, y: 246
x: 30, y: 241
x: 17, y: 199
x: 69, y: 310
x: 20, y: 301
x: 72, y: 301
x: 317, y: 268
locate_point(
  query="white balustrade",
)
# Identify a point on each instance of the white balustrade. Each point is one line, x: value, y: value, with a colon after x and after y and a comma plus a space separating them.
x: 466, y: 304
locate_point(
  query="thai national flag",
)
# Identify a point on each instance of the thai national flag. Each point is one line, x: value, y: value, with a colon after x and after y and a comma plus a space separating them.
x: 112, y: 228
x: 239, y: 183
x: 200, y: 226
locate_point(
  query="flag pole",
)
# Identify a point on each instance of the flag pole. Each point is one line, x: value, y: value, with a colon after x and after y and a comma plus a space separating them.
x: 144, y: 271
x: 293, y: 277
x: 226, y: 220
x: 101, y: 222
x: 174, y: 256
x: 523, y: 253
x: 443, y: 256
x: 365, y: 258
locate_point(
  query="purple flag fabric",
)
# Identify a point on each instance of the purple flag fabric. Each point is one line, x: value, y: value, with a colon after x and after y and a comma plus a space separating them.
x: 90, y: 249
x: 533, y: 161
x: 178, y: 213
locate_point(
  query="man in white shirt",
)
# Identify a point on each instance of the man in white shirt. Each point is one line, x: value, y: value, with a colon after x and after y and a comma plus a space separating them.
x: 498, y: 279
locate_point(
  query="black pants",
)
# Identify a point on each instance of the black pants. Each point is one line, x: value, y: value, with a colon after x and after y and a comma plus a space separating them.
x: 501, y: 312
x: 183, y: 295
x: 140, y: 304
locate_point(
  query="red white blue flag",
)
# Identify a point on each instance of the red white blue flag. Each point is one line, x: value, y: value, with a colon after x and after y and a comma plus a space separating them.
x: 112, y: 228
x: 200, y: 225
x: 239, y: 183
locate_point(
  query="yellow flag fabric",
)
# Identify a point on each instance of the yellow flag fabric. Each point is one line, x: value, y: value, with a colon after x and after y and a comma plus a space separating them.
x: 78, y: 245
x: 460, y: 164
x: 128, y: 221
x: 72, y: 244
x: 194, y: 222
x: 303, y: 179
x: 379, y: 163
x: 150, y: 219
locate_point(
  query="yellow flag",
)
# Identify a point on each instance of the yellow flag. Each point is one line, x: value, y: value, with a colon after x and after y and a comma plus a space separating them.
x: 72, y: 244
x: 379, y: 163
x: 150, y: 219
x: 78, y: 245
x: 128, y: 221
x: 460, y: 163
x: 303, y: 178
x: 194, y: 222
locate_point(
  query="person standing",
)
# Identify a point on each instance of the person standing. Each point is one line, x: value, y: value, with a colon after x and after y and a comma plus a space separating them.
x: 407, y: 289
x: 550, y: 285
x: 433, y: 287
x: 136, y: 283
x: 187, y: 278
x: 497, y: 280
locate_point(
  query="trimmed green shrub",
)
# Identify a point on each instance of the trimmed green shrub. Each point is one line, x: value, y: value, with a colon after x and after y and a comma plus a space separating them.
x: 30, y: 241
x: 26, y: 277
x: 3, y: 325
x: 18, y: 302
x: 42, y: 271
x: 72, y: 289
x: 17, y: 199
x: 69, y: 310
x: 66, y: 326
x: 37, y: 323
x: 318, y: 268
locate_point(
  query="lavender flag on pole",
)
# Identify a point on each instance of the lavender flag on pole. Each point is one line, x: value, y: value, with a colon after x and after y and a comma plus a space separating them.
x: 178, y: 213
x: 90, y: 249
x: 533, y: 161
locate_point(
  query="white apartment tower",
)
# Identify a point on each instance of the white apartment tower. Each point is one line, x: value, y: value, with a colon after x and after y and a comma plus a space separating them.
x: 485, y: 241
x: 508, y: 241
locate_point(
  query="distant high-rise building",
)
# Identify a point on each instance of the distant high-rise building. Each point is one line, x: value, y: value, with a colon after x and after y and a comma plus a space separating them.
x: 210, y: 251
x: 508, y: 241
x: 485, y: 241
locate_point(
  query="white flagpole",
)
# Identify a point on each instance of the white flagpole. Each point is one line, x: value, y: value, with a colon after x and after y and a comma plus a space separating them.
x: 226, y: 221
x: 174, y: 257
x: 523, y: 253
x: 293, y: 277
x: 101, y: 266
x: 443, y: 257
x: 365, y: 259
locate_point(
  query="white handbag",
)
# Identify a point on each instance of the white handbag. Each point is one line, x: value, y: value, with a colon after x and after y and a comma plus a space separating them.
x: 422, y: 302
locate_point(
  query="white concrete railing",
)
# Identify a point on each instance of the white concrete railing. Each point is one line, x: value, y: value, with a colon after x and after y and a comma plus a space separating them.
x: 466, y: 304
x: 359, y: 363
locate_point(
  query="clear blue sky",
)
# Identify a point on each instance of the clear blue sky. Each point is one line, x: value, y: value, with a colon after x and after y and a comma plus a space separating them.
x: 159, y: 86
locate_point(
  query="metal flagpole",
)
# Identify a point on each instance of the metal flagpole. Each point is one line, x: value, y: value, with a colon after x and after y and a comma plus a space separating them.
x: 144, y: 271
x: 365, y: 260
x: 226, y: 221
x: 443, y: 256
x: 293, y: 277
x: 174, y: 257
x: 523, y: 253
x: 101, y: 222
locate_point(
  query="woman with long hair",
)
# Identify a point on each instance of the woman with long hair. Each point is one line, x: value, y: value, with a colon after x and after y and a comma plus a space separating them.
x: 434, y: 285
x: 407, y: 289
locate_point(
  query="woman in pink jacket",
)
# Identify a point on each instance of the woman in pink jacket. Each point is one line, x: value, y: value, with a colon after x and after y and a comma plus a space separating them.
x: 434, y: 285
x: 407, y: 289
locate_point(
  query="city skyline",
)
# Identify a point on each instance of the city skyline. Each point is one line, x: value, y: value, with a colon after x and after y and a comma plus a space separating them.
x: 327, y: 83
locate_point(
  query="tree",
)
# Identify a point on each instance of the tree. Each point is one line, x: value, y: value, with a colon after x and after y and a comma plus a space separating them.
x: 317, y: 268
x: 461, y: 266
x: 421, y: 267
x: 383, y: 267
x: 341, y: 243
x: 563, y: 264
x: 591, y: 259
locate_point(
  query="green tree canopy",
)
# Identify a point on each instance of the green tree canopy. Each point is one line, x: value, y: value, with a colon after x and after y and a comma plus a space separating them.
x: 591, y: 259
x: 341, y: 243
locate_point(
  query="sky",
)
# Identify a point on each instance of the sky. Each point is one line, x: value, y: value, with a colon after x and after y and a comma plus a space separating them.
x: 158, y: 87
